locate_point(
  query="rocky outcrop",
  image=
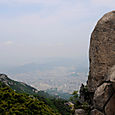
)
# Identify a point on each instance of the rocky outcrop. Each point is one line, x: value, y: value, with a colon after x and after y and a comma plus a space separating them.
x: 101, y: 80
x: 96, y: 112
x: 79, y: 112
x: 70, y: 105
x: 4, y: 79
x: 17, y: 86
x: 102, y: 95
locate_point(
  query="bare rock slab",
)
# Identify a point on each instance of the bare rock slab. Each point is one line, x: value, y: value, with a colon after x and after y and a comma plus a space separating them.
x: 111, y: 77
x: 96, y: 112
x: 110, y: 107
x: 79, y: 112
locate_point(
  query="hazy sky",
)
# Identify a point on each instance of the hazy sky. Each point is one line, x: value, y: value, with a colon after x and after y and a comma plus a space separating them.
x: 32, y: 29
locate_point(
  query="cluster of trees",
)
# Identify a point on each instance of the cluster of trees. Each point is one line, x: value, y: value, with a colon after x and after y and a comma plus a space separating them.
x: 16, y: 103
x: 56, y: 104
x: 12, y: 103
x: 81, y: 101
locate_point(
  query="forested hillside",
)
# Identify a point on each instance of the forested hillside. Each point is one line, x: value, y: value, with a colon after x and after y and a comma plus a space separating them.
x: 20, y: 104
x: 20, y: 98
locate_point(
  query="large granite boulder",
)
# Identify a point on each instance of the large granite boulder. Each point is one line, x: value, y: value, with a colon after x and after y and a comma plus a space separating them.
x: 101, y: 80
x: 102, y: 51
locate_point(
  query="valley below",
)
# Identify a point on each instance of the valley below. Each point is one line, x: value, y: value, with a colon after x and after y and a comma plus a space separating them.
x: 62, y: 76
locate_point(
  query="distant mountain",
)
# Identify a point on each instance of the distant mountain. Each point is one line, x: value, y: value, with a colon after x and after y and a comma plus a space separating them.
x: 46, y: 64
x: 21, y: 87
x: 17, y: 86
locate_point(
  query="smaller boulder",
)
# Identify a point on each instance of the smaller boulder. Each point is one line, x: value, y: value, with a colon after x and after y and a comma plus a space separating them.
x: 102, y: 94
x: 70, y: 105
x: 111, y: 77
x: 96, y: 112
x: 79, y: 112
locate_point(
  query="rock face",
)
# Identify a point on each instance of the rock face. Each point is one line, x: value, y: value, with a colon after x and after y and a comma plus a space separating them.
x: 101, y: 80
x: 102, y: 95
x: 110, y: 107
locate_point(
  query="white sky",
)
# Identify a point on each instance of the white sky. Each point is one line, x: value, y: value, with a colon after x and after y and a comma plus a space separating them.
x: 33, y: 29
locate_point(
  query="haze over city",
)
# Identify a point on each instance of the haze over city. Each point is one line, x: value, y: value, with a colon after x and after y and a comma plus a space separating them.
x: 34, y: 29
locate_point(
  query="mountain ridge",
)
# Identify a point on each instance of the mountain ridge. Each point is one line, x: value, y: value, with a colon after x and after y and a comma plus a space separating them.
x: 17, y: 86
